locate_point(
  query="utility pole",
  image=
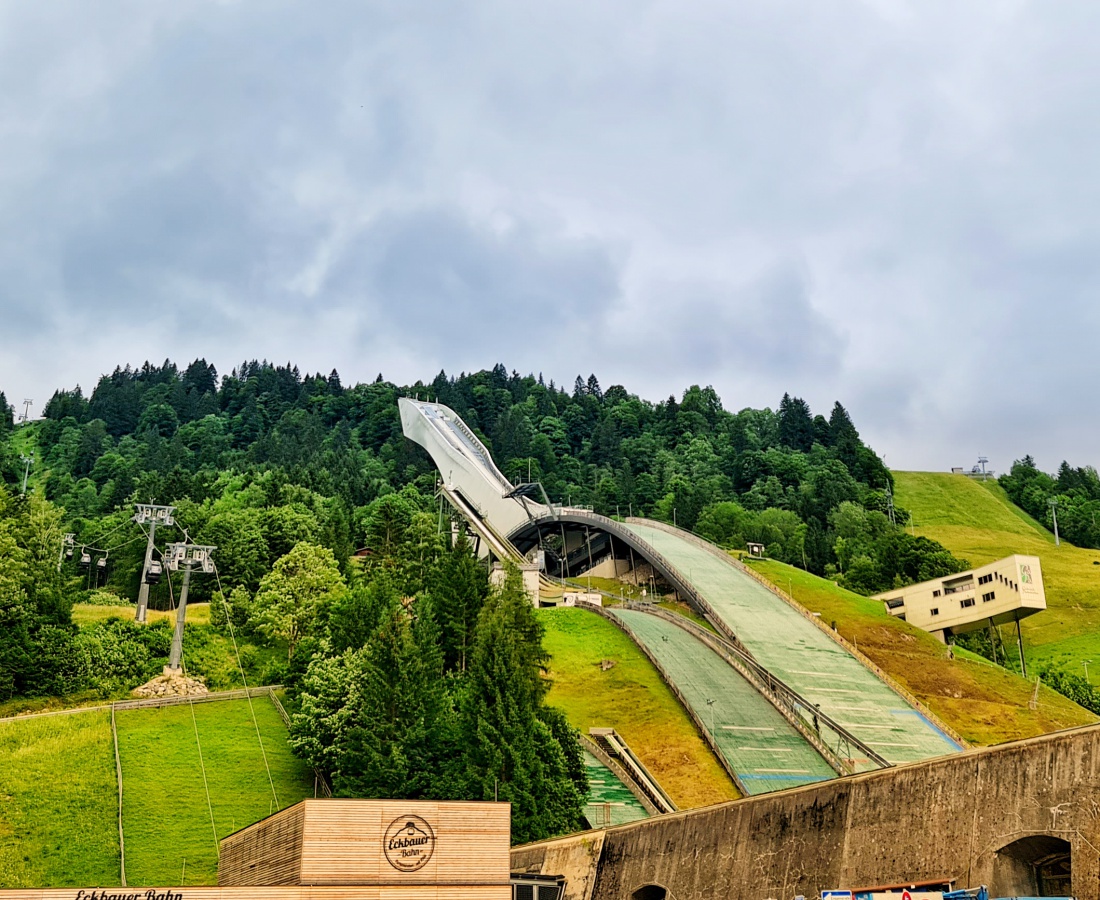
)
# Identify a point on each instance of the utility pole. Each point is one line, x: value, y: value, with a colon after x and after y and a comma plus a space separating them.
x: 188, y: 556
x: 26, y: 416
x: 27, y: 461
x: 147, y: 513
x: 1054, y: 512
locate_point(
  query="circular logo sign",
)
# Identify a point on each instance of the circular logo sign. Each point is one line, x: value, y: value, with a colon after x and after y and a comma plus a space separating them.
x: 408, y: 843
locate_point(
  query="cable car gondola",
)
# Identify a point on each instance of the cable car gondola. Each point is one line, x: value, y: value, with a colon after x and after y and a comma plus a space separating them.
x: 85, y: 558
x: 101, y: 563
x: 156, y: 569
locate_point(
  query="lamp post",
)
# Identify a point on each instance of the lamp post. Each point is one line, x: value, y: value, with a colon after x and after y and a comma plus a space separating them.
x: 1085, y: 663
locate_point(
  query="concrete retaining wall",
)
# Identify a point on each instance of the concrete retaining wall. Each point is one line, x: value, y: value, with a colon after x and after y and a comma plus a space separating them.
x: 946, y: 817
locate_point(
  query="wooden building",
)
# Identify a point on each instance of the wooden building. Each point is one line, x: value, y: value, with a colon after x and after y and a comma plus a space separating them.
x: 348, y: 850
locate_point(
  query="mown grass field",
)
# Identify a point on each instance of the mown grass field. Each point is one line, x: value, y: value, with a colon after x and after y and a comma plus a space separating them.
x: 169, y: 835
x: 986, y: 704
x: 631, y: 698
x: 58, y: 802
x: 976, y: 520
x: 89, y: 614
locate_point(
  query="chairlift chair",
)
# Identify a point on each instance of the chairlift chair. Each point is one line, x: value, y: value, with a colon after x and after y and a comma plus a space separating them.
x: 85, y: 558
x: 69, y: 553
x: 101, y: 563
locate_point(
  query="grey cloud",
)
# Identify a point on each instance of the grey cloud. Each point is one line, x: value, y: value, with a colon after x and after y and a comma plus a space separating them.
x: 766, y: 332
x: 440, y: 279
x: 572, y: 187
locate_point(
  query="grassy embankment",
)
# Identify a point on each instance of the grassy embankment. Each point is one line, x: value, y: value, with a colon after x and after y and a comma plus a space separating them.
x: 631, y: 698
x: 984, y: 703
x: 166, y: 821
x: 976, y: 520
x: 58, y: 802
x: 24, y: 442
x: 89, y: 614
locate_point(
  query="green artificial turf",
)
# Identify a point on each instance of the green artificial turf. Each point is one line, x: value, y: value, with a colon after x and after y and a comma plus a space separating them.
x: 626, y: 693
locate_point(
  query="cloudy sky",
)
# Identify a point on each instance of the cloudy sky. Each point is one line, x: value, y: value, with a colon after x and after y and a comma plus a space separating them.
x: 894, y: 204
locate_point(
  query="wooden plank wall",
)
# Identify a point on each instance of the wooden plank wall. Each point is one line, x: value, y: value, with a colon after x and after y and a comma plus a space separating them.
x: 269, y: 852
x: 343, y: 842
x: 340, y: 842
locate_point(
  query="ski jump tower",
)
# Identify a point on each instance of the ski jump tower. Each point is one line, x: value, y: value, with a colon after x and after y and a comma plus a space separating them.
x: 473, y: 485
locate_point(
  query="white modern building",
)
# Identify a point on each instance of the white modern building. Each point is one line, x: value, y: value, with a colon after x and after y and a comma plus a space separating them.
x: 998, y: 593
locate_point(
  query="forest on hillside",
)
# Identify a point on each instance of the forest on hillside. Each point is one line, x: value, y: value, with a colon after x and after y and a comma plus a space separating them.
x: 336, y: 571
x: 264, y: 456
x: 1071, y: 494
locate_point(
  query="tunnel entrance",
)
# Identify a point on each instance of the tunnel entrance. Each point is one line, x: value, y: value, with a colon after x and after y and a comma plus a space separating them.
x: 1036, y: 866
x: 649, y: 892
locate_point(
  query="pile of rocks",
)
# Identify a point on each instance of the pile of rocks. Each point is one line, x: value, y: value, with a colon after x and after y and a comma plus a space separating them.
x: 171, y: 686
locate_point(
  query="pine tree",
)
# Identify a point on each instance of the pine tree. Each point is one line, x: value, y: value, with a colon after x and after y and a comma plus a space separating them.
x: 400, y: 744
x: 796, y: 425
x: 512, y: 753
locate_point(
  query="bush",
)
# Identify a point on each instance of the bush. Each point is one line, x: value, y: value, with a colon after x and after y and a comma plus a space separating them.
x: 120, y: 654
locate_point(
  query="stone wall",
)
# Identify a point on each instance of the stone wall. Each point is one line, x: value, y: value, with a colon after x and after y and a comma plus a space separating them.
x: 947, y: 817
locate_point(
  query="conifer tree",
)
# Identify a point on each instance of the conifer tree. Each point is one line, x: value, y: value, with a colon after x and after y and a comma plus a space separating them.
x: 511, y: 752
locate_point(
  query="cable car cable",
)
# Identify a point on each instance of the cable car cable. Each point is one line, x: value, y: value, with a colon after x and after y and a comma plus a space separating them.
x: 244, y: 681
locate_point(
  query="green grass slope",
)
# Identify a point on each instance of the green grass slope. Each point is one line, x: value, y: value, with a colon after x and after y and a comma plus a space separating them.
x: 976, y: 520
x: 58, y: 802
x: 166, y: 821
x: 630, y: 697
x: 984, y: 703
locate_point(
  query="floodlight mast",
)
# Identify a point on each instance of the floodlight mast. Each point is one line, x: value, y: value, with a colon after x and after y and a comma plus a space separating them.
x: 153, y: 515
x: 188, y: 556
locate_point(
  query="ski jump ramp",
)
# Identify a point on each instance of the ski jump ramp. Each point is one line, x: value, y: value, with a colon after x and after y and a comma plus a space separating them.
x: 801, y: 654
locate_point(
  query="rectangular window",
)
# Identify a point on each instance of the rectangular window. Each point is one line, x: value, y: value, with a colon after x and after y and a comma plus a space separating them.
x: 969, y: 601
x: 935, y: 610
x: 895, y: 602
x: 985, y: 579
x: 935, y: 593
x: 990, y: 596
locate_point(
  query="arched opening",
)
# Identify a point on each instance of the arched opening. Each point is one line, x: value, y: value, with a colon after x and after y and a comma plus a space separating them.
x: 1035, y: 866
x: 649, y: 892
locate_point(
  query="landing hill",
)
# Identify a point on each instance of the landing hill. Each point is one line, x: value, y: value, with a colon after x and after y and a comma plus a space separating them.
x: 984, y: 703
x: 976, y: 520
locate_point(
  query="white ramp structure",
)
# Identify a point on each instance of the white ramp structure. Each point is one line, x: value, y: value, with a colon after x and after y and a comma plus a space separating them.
x: 473, y: 484
x: 518, y: 523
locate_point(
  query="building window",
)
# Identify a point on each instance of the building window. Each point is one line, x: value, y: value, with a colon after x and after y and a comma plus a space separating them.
x: 985, y: 579
x: 969, y: 601
x: 935, y: 593
x: 990, y: 596
x: 935, y: 610
x: 895, y: 602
